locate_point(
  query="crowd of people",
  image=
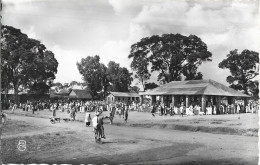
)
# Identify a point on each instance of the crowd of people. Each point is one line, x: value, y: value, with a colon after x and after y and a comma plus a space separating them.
x: 74, y: 106
x: 120, y: 108
x: 195, y: 109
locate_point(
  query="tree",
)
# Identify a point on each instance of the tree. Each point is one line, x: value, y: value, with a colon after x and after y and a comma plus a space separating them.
x: 104, y: 81
x: 140, y: 66
x: 244, y: 67
x: 135, y: 89
x: 26, y: 61
x: 120, y: 78
x: 254, y: 89
x: 172, y: 55
x: 150, y: 86
x: 100, y: 79
x: 39, y: 88
x: 58, y: 85
x: 90, y: 69
x: 73, y: 83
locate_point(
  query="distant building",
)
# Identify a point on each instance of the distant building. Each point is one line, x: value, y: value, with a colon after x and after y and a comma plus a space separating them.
x: 80, y: 94
x: 125, y: 97
x: 205, y: 93
x: 71, y: 94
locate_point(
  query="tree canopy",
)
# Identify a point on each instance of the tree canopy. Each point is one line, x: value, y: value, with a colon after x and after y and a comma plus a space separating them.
x: 90, y: 69
x: 102, y: 79
x: 119, y: 77
x: 172, y: 55
x: 244, y: 67
x: 25, y: 61
x: 150, y: 86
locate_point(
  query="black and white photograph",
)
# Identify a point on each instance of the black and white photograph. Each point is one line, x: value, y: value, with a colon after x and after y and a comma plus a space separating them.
x: 130, y: 82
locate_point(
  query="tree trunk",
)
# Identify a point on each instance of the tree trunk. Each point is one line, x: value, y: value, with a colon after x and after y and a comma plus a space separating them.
x: 1, y: 128
x: 143, y: 84
x: 16, y: 93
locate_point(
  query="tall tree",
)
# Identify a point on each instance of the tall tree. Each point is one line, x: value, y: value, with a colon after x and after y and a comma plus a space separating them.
x: 140, y: 66
x: 120, y: 78
x: 244, y: 67
x: 27, y: 61
x: 104, y: 81
x: 39, y: 88
x: 90, y: 69
x: 172, y: 55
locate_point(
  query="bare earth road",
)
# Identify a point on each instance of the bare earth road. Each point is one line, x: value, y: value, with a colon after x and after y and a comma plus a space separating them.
x: 130, y: 145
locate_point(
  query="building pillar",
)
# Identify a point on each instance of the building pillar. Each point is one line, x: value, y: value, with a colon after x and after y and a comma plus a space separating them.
x: 187, y: 101
x: 218, y: 101
x: 141, y: 99
x: 162, y: 99
x: 203, y: 102
x: 173, y: 101
x: 246, y: 101
x: 153, y: 99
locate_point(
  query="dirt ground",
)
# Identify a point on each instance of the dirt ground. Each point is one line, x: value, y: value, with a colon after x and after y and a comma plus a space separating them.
x: 239, y: 124
x: 73, y: 142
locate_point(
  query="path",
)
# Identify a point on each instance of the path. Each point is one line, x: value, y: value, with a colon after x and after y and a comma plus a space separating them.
x: 142, y: 145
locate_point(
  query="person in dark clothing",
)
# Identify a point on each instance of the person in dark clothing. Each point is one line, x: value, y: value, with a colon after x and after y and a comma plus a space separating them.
x: 126, y: 113
x: 161, y: 108
x: 153, y: 110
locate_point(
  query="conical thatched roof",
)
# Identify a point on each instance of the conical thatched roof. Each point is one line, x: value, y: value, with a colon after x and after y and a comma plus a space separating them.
x: 194, y: 87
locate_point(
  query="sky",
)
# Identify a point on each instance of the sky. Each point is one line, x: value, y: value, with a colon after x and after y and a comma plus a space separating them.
x: 75, y: 29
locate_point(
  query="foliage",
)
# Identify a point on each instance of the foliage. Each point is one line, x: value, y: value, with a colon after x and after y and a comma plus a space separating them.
x: 119, y: 77
x: 100, y: 79
x: 150, y: 86
x: 134, y: 89
x: 90, y: 69
x: 72, y: 83
x: 140, y: 66
x: 58, y: 84
x: 39, y: 88
x: 25, y: 61
x: 244, y: 67
x: 172, y: 55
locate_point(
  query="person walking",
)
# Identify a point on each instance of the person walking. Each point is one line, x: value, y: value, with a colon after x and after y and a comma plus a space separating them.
x: 87, y: 119
x: 14, y: 107
x: 54, y: 112
x: 123, y: 109
x: 238, y: 108
x: 165, y: 110
x: 126, y: 113
x: 33, y: 107
x: 182, y: 109
x: 73, y: 113
x: 153, y: 109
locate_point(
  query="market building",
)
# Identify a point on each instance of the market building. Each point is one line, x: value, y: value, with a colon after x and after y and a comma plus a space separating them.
x: 203, y: 93
x: 125, y: 97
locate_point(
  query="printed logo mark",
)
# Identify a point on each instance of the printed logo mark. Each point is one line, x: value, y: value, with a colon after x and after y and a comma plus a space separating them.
x: 21, y: 145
